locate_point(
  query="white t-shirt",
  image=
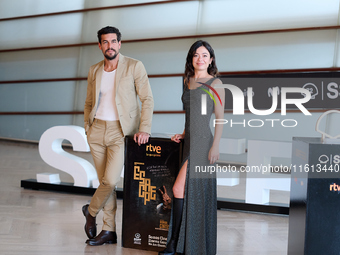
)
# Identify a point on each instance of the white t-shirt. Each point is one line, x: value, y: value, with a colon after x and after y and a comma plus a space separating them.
x: 107, y: 109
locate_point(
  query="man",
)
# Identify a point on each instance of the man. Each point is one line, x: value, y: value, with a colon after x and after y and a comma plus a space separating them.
x: 112, y: 112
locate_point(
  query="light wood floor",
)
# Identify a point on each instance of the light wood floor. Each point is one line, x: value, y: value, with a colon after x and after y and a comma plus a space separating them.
x: 43, y: 223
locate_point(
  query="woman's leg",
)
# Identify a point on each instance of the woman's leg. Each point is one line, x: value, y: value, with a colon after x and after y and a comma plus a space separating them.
x: 179, y: 185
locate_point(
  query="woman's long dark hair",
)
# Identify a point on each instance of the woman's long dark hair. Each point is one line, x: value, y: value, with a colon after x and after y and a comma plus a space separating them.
x: 189, y: 68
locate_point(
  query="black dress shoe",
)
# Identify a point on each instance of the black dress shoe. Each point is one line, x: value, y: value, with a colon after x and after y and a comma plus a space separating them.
x: 103, y: 237
x: 90, y: 225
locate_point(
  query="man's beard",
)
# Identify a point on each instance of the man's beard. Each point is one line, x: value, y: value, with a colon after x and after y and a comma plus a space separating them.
x: 111, y: 57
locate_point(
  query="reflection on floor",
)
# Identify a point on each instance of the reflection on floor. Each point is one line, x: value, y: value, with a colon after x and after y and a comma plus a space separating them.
x: 43, y: 223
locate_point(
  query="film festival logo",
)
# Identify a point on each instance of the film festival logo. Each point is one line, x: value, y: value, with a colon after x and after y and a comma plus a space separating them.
x: 238, y: 105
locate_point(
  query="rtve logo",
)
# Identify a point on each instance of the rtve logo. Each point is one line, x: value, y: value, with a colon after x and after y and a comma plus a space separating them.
x: 334, y: 187
x: 151, y: 148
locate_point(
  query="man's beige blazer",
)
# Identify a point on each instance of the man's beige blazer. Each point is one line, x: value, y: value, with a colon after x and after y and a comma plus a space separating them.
x: 131, y: 81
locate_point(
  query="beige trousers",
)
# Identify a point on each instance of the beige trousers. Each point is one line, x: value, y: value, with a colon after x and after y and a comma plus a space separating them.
x: 106, y: 142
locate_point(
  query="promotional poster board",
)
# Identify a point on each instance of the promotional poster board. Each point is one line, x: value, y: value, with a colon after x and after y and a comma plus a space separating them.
x: 149, y: 173
x: 314, y: 198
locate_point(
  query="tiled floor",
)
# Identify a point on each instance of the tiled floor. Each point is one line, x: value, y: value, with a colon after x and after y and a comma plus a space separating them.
x: 41, y: 222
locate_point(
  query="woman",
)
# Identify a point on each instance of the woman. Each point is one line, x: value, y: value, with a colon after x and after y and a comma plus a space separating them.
x: 193, y: 224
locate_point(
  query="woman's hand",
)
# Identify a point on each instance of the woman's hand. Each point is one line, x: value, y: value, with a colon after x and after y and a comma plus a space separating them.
x: 214, y: 154
x: 177, y: 138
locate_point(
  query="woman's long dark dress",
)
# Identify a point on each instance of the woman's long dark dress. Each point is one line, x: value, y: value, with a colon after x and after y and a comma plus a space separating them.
x: 198, y: 230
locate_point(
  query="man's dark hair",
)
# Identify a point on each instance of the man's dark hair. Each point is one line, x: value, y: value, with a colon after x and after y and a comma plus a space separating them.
x: 109, y: 30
